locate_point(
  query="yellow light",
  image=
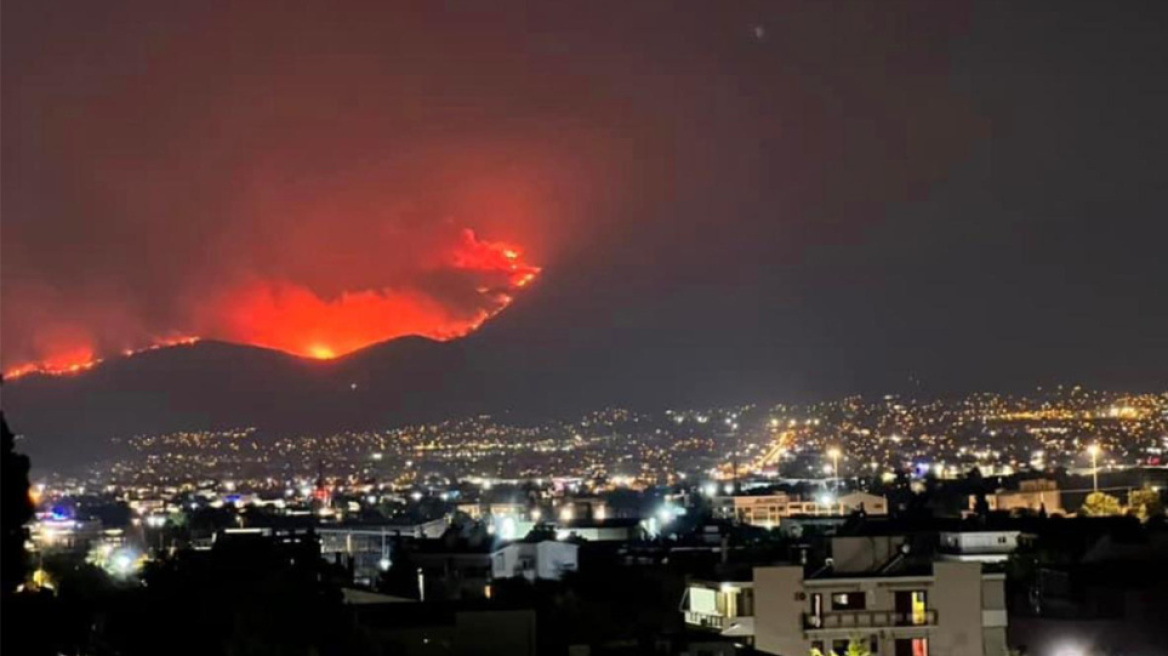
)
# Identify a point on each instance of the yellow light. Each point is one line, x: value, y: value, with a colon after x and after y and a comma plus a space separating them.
x: 321, y: 352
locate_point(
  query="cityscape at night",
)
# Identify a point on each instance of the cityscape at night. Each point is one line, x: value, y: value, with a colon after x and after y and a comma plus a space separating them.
x: 1000, y: 435
x: 552, y: 328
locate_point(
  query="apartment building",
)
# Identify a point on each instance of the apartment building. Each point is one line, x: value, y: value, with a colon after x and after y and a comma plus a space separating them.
x: 953, y: 610
x: 872, y: 589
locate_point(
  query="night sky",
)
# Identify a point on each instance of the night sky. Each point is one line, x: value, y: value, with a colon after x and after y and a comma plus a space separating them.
x: 717, y: 200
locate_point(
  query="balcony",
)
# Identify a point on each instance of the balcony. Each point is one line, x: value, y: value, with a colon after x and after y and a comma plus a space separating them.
x: 706, y: 620
x: 867, y: 619
x: 737, y: 627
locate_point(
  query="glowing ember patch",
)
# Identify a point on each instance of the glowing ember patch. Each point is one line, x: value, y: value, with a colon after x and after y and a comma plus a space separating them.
x: 83, y: 359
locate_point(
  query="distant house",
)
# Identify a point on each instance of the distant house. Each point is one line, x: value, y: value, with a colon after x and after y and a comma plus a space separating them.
x: 769, y: 510
x: 619, y: 530
x: 546, y: 560
x: 978, y: 546
x: 367, y: 546
x: 1030, y: 496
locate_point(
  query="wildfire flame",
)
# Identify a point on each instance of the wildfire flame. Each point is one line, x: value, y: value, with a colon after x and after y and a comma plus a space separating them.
x: 293, y: 318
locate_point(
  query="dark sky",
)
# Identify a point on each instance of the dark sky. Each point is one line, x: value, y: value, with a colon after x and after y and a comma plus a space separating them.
x: 727, y: 199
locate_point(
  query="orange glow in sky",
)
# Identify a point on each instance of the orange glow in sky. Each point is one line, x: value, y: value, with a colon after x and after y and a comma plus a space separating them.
x: 293, y: 318
x: 473, y: 281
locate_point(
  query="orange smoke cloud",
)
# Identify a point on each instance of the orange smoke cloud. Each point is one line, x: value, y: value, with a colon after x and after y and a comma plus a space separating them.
x: 476, y: 280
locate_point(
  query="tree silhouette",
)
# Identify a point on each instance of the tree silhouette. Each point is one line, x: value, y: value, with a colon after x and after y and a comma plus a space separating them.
x: 15, y: 509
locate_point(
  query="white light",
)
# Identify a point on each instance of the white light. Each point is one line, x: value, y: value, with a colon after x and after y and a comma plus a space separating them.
x: 384, y: 564
x: 123, y: 562
x: 566, y: 514
x: 728, y: 488
x: 509, y: 529
x: 1070, y: 650
x: 651, y: 527
x: 535, y: 514
x: 710, y: 489
x: 665, y: 514
x: 416, y: 496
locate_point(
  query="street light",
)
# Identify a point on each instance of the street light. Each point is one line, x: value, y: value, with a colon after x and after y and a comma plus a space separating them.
x: 1094, y: 451
x: 834, y: 454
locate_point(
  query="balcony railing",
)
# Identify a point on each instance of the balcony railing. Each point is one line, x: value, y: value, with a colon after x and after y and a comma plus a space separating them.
x: 866, y: 619
x: 706, y: 620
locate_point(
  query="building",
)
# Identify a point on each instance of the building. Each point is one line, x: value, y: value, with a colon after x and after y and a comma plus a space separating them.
x: 50, y: 533
x: 609, y: 530
x: 725, y: 607
x: 481, y: 510
x: 872, y: 589
x: 769, y: 510
x: 367, y: 548
x: 978, y: 546
x: 1031, y: 496
x: 546, y: 560
x: 955, y: 609
x: 447, y: 572
x: 1098, y: 587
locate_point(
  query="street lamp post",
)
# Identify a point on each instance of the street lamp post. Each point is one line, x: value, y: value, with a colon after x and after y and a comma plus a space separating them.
x: 834, y: 454
x: 1094, y: 451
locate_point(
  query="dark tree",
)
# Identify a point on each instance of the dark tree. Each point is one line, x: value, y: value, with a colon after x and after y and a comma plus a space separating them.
x: 15, y: 511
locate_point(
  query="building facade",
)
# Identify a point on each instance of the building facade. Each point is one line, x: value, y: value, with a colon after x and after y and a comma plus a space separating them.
x: 956, y: 610
x: 769, y: 510
x: 1031, y: 496
x: 547, y: 560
